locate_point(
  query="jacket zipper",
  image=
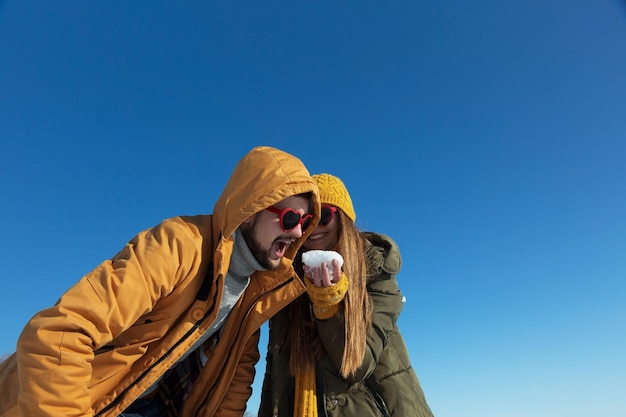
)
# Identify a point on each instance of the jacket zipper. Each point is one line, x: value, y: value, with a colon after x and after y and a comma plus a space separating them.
x: 239, y: 330
x: 122, y: 394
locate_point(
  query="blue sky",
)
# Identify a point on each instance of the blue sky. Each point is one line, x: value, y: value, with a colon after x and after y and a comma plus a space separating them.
x: 486, y: 137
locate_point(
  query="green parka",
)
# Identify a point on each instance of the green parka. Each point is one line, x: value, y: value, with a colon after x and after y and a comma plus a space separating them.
x: 385, y: 385
x: 117, y: 330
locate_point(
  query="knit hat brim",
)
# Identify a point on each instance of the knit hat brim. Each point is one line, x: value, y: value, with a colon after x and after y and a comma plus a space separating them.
x: 334, y: 192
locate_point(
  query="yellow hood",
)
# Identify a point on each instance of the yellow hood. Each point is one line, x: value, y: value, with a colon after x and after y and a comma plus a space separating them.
x: 261, y: 179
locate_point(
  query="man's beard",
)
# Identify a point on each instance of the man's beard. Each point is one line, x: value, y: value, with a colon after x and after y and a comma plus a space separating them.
x: 261, y: 255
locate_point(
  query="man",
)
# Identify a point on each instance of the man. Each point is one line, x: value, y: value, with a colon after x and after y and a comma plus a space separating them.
x: 170, y: 325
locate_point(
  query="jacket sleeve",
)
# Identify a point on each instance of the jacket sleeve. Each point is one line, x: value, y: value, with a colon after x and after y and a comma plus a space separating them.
x: 384, y: 260
x: 56, y: 347
x: 387, y: 304
x: 240, y: 389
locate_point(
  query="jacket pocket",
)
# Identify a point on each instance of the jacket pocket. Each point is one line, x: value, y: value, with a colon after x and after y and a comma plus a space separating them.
x: 378, y: 399
x: 116, y: 358
x: 359, y: 401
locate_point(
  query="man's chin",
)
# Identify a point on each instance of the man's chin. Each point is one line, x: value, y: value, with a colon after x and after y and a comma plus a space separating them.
x: 275, y: 263
x: 269, y: 262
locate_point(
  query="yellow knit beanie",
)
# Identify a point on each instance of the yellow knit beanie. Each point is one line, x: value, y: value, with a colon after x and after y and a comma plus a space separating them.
x: 333, y: 192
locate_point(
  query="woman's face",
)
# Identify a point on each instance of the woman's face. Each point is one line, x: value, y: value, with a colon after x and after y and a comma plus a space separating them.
x: 326, y: 236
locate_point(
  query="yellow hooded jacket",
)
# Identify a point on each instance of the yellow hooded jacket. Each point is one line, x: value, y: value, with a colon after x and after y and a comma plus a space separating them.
x: 115, y: 332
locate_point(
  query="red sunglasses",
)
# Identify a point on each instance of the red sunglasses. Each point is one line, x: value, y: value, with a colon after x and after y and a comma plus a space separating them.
x: 327, y: 214
x: 289, y: 218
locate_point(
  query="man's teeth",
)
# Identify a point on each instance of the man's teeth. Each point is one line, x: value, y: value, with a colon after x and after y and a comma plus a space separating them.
x: 282, y: 245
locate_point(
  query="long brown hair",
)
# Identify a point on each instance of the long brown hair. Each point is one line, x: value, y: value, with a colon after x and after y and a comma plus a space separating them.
x: 303, y: 345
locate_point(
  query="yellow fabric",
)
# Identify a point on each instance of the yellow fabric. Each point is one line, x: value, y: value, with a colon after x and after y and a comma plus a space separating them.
x: 326, y: 299
x: 306, y: 398
x: 153, y: 282
x: 334, y: 192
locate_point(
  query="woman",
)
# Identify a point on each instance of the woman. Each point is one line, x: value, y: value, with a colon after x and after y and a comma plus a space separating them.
x: 313, y: 368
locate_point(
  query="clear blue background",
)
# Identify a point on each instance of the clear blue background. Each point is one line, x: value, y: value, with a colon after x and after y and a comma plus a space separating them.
x: 486, y: 137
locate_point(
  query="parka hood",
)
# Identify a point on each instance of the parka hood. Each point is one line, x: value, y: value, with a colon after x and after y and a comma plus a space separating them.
x: 262, y: 178
x: 383, y: 254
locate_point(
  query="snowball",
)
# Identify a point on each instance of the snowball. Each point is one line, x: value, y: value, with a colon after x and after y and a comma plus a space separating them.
x: 314, y: 258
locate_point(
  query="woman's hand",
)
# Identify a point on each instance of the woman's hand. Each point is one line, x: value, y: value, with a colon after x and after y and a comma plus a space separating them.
x: 326, y: 298
x: 321, y: 276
